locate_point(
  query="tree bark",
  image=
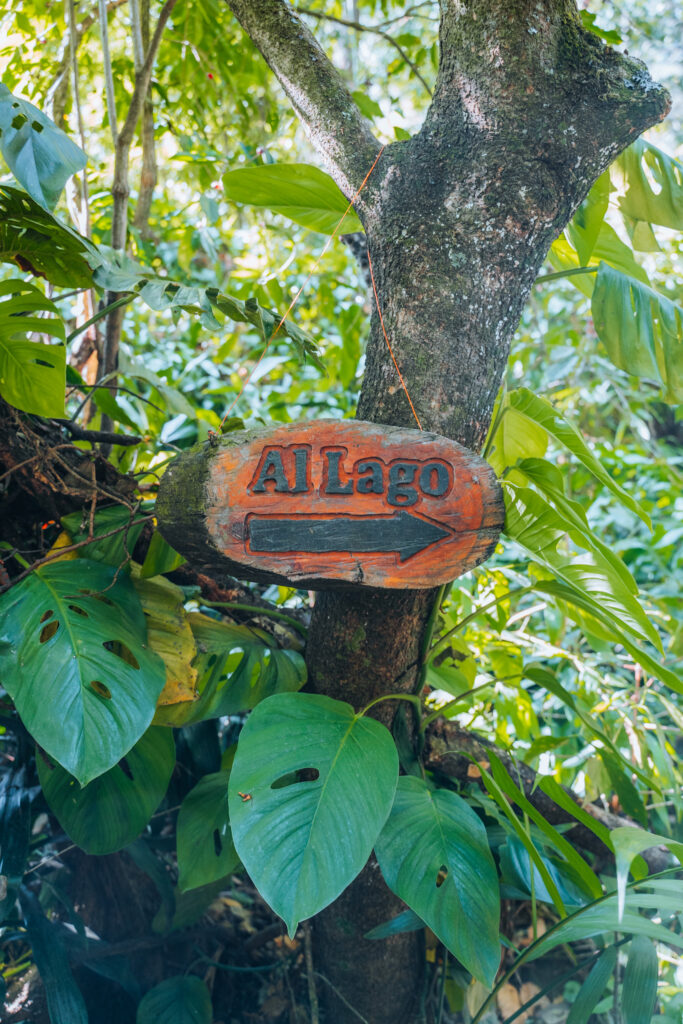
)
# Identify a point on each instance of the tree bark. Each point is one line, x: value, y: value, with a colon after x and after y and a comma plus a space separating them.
x: 529, y: 109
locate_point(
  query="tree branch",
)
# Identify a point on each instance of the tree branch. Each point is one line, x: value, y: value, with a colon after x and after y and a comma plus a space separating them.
x: 357, y: 26
x: 120, y: 191
x: 148, y: 174
x: 451, y: 751
x: 315, y: 88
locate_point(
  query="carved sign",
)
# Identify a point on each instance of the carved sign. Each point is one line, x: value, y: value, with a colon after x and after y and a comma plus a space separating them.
x: 328, y: 503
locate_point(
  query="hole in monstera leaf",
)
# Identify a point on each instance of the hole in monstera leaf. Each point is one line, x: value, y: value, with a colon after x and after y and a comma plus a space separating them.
x: 442, y: 876
x: 96, y: 596
x: 100, y: 689
x: 292, y: 778
x: 122, y: 652
x: 46, y: 615
x: 78, y: 611
x: 48, y: 631
x: 126, y: 769
x: 217, y: 843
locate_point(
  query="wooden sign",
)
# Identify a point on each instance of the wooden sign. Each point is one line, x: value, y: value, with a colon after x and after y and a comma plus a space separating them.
x: 331, y: 503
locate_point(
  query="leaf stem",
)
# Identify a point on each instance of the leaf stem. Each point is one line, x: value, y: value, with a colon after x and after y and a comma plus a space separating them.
x: 256, y: 610
x: 571, y: 272
x: 100, y: 315
x: 414, y: 700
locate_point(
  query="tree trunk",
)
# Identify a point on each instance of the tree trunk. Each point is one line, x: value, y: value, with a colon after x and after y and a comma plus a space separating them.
x: 529, y: 109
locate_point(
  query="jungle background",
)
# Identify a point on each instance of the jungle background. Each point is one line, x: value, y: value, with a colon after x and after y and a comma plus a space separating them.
x: 112, y: 909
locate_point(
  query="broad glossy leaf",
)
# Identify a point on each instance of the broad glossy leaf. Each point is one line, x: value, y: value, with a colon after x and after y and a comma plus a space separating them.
x: 639, y: 987
x: 115, y: 548
x: 406, y: 921
x: 39, y: 154
x: 160, y: 557
x: 304, y: 841
x: 204, y: 841
x: 74, y: 658
x: 238, y: 666
x: 64, y: 1000
x: 653, y: 184
x: 641, y: 329
x: 301, y: 192
x: 591, y: 991
x: 32, y: 374
x: 38, y: 243
x: 181, y: 1000
x: 539, y: 411
x: 434, y: 854
x: 112, y: 810
x: 627, y: 843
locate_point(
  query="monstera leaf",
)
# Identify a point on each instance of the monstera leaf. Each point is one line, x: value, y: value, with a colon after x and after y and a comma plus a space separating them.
x: 32, y: 374
x: 434, y: 854
x: 112, y: 810
x: 74, y: 658
x: 310, y: 789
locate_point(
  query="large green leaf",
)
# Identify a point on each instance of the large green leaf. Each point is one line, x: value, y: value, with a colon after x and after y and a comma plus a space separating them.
x: 74, y: 658
x: 111, y: 811
x: 641, y: 329
x: 41, y: 157
x: 540, y: 412
x: 301, y: 192
x: 434, y: 854
x: 238, y: 667
x: 639, y: 987
x: 181, y: 1000
x: 638, y: 169
x: 204, y: 841
x: 32, y: 374
x: 304, y: 840
x: 36, y: 242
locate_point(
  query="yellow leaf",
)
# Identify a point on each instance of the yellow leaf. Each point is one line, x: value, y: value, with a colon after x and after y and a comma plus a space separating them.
x: 63, y: 541
x: 169, y: 635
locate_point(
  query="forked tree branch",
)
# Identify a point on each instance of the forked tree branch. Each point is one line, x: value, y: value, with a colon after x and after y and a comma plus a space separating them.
x: 315, y: 88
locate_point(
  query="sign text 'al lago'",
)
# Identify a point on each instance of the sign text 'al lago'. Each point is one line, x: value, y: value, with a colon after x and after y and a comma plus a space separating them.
x: 332, y: 503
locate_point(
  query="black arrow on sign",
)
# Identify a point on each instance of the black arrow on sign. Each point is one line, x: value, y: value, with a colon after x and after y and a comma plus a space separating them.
x: 401, y: 532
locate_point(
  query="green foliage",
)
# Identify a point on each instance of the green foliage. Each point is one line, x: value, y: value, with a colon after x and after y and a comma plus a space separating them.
x: 65, y: 1003
x: 301, y: 192
x: 238, y: 667
x: 641, y: 329
x: 180, y: 1000
x: 112, y: 810
x: 73, y: 637
x: 205, y: 849
x: 32, y: 374
x: 41, y: 157
x: 319, y: 831
x: 593, y: 987
x: 639, y: 989
x: 37, y: 242
x: 434, y: 855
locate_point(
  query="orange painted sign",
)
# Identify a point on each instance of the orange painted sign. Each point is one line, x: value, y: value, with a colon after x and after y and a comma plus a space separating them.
x: 332, y: 503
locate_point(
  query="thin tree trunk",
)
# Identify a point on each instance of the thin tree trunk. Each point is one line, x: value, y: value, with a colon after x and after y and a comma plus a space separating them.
x: 528, y: 110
